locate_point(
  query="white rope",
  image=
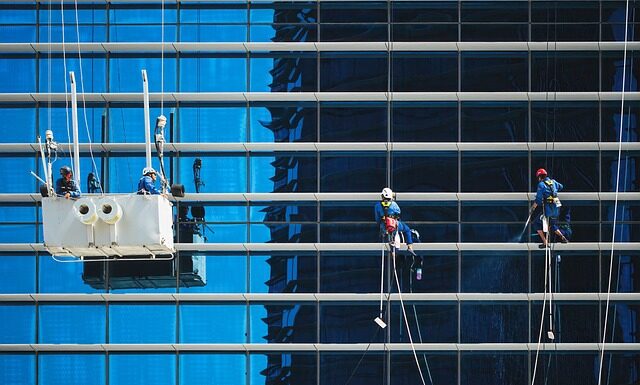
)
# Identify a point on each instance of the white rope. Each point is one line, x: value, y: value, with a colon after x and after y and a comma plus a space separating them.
x: 544, y: 303
x: 382, y: 280
x: 84, y: 102
x: 615, y: 205
x: 66, y: 87
x: 424, y: 356
x: 406, y: 319
x: 162, y: 61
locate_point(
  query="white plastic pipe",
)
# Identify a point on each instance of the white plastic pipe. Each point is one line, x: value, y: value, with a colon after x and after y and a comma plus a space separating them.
x: 74, y: 120
x: 147, y: 124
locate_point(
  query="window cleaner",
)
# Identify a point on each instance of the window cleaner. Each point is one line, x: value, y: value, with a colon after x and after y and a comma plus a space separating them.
x: 547, y: 198
x: 387, y: 214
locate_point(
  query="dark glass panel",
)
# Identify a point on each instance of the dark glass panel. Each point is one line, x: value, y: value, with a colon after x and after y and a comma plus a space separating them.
x: 611, y: 119
x: 572, y: 322
x: 337, y: 368
x: 571, y: 272
x: 278, y: 323
x: 283, y: 272
x: 424, y: 11
x: 353, y: 122
x: 349, y: 323
x: 613, y: 69
x: 494, y: 32
x: 494, y: 172
x: 575, y: 170
x: 299, y: 368
x: 435, y: 172
x: 564, y: 122
x: 283, y: 72
x: 352, y: 172
x: 494, y: 11
x: 565, y: 12
x: 494, y: 122
x: 353, y: 32
x: 565, y: 32
x: 350, y: 272
x: 434, y: 72
x: 424, y: 122
x: 424, y: 32
x: 498, y: 322
x: 491, y: 72
x: 438, y: 367
x: 353, y: 12
x: 556, y: 71
x: 437, y: 323
x: 283, y: 122
x: 480, y: 368
x: 341, y: 72
x: 508, y: 272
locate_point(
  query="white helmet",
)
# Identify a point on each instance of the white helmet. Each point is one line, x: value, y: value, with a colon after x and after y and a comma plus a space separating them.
x: 387, y: 193
x: 148, y: 170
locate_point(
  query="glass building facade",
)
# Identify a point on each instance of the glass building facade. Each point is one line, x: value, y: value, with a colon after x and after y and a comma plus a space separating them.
x: 300, y: 113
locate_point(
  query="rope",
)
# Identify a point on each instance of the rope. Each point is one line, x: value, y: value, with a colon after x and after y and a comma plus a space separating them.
x: 406, y: 320
x: 66, y: 87
x: 162, y: 60
x: 382, y: 280
x: 615, y: 205
x: 84, y: 102
x: 544, y: 303
x: 375, y: 334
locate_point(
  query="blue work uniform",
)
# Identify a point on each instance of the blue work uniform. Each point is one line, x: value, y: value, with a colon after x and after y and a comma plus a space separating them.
x: 63, y: 187
x: 547, y: 189
x: 394, y: 212
x: 146, y: 185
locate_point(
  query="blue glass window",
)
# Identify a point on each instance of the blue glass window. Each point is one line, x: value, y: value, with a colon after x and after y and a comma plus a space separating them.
x: 157, y: 369
x: 21, y: 70
x: 437, y: 367
x: 494, y: 172
x: 573, y: 322
x: 283, y: 323
x: 283, y: 72
x: 213, y: 323
x: 352, y: 172
x: 72, y: 324
x: 572, y: 272
x: 202, y: 74
x: 201, y: 32
x: 349, y: 323
x: 22, y: 116
x: 219, y: 369
x: 434, y: 72
x: 509, y: 272
x: 19, y: 321
x: 336, y: 368
x: 499, y: 322
x: 479, y: 368
x: 429, y: 323
x: 424, y: 122
x: 284, y: 122
x: 283, y: 272
x: 91, y: 76
x: 340, y: 72
x: 284, y: 172
x: 492, y: 72
x: 494, y: 122
x: 72, y: 369
x: 342, y: 272
x: 432, y: 171
x: 19, y: 274
x: 221, y: 174
x: 577, y: 171
x: 353, y: 122
x: 125, y: 71
x: 555, y: 71
x: 137, y: 323
x: 215, y: 123
x: 57, y: 277
x: 299, y: 368
x: 126, y: 122
x: 18, y: 369
x: 218, y: 269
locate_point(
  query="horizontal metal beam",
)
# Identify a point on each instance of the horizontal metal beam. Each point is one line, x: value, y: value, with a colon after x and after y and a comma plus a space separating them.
x: 243, y: 97
x: 358, y: 247
x: 327, y: 348
x: 333, y: 147
x: 278, y: 47
x: 259, y: 298
x: 520, y: 197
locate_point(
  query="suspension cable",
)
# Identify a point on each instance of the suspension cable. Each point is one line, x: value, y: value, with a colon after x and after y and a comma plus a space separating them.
x: 66, y: 87
x: 84, y: 102
x: 162, y: 59
x: 615, y: 205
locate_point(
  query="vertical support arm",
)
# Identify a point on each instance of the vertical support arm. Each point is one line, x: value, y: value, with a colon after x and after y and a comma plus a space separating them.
x: 74, y: 120
x: 147, y: 124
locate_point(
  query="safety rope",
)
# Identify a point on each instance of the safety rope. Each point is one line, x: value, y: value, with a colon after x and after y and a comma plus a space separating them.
x: 66, y: 87
x: 406, y: 319
x: 615, y: 205
x: 162, y: 59
x: 542, y: 314
x: 382, y: 280
x: 84, y: 101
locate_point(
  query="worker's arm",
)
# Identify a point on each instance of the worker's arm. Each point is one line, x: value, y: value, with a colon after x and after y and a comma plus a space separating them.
x: 150, y: 187
x: 75, y: 191
x: 559, y: 186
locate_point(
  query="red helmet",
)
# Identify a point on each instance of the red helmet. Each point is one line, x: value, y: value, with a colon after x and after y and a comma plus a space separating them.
x: 541, y: 171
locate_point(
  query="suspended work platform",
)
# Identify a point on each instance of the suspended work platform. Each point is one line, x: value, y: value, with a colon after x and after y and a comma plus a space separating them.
x: 108, y: 226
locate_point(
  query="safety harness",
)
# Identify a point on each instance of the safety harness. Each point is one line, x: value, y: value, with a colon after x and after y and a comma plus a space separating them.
x: 390, y: 221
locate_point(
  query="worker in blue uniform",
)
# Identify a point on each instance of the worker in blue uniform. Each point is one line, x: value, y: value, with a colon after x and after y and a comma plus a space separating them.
x: 547, y: 199
x: 65, y: 185
x: 146, y: 184
x: 387, y: 214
